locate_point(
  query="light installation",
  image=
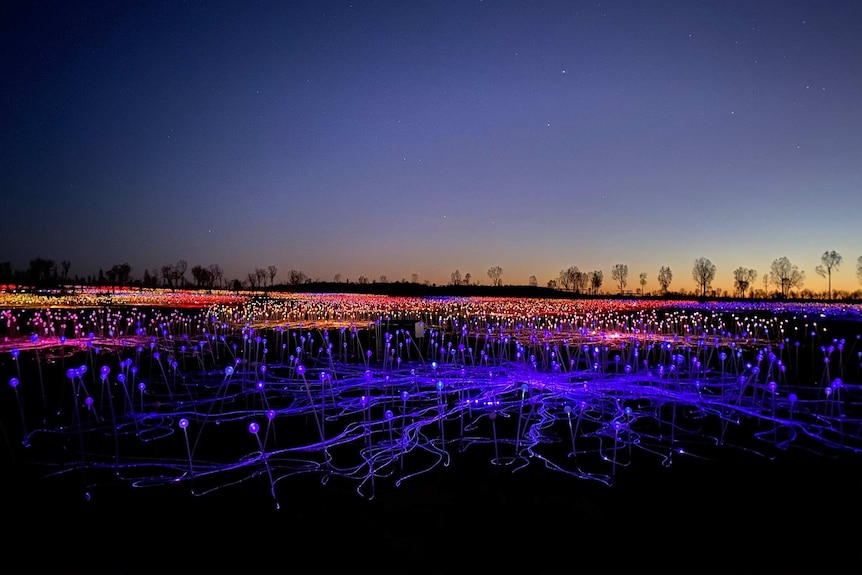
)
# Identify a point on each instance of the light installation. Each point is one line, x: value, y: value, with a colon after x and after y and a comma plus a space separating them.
x: 374, y: 390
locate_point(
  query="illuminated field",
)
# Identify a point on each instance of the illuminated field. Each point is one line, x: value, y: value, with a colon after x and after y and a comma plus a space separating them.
x: 372, y: 389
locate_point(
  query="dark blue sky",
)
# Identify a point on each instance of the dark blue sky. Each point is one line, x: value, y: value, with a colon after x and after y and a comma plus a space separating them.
x: 400, y: 137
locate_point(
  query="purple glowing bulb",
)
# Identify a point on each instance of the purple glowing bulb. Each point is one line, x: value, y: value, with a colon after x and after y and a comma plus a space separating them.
x: 228, y: 371
x: 88, y: 402
x: 71, y: 373
x: 14, y: 382
x: 184, y: 423
x: 300, y: 369
x: 15, y: 353
x: 270, y: 414
x: 253, y: 427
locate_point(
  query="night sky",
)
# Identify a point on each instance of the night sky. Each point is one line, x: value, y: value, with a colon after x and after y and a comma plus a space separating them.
x: 420, y: 137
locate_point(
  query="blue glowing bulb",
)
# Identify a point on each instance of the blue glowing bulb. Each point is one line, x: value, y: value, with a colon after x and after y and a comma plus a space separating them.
x: 388, y: 414
x: 71, y: 373
x: 14, y: 382
x: 228, y: 370
x: 300, y: 369
x: 404, y: 396
x: 270, y: 414
x: 253, y: 427
x: 184, y: 423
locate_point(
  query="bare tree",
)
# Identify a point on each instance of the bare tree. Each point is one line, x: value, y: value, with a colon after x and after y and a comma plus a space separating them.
x: 785, y: 276
x: 596, y: 279
x: 533, y: 281
x: 743, y: 278
x: 337, y: 278
x: 296, y: 277
x: 703, y: 273
x: 414, y: 278
x: 565, y: 279
x: 620, y: 274
x: 665, y: 277
x: 455, y: 278
x: 167, y: 273
x: 65, y: 264
x: 467, y: 278
x: 271, y: 271
x: 859, y: 269
x: 573, y: 279
x: 494, y: 273
x: 180, y: 273
x: 829, y: 260
x: 216, y: 273
x: 642, y: 278
x: 362, y: 280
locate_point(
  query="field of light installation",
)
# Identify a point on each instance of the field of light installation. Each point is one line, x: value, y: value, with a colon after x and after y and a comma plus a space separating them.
x: 387, y: 427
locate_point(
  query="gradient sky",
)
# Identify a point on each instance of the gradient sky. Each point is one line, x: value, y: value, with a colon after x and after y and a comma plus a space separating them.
x: 399, y: 137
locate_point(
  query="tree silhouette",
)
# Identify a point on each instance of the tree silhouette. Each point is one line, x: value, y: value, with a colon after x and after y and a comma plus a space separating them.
x: 665, y: 277
x: 785, y: 276
x: 642, y: 279
x: 596, y: 279
x: 271, y: 271
x: 494, y: 272
x: 296, y: 277
x: 620, y: 274
x: 703, y: 273
x: 829, y: 260
x: 743, y: 278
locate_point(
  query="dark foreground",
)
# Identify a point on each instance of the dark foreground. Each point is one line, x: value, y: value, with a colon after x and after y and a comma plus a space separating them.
x: 732, y: 513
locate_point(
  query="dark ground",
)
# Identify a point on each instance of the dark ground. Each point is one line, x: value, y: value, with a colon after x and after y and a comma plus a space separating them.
x: 732, y: 513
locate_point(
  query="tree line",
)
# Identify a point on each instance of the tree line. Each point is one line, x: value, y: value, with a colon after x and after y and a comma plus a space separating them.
x: 786, y: 279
